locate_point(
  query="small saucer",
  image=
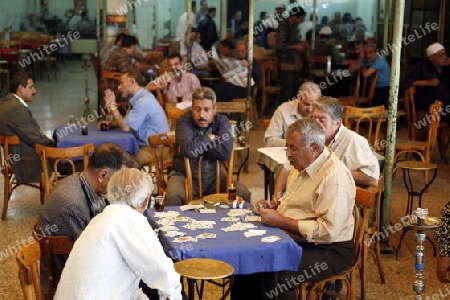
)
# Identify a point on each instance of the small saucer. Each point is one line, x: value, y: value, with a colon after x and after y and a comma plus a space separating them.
x: 430, y: 223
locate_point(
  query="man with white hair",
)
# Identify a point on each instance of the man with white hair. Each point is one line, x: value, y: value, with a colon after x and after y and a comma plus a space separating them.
x: 432, y: 81
x: 120, y: 248
x: 352, y: 148
x: 288, y: 112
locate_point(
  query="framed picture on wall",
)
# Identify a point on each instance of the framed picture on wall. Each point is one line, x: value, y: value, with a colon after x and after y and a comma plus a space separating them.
x: 79, y: 5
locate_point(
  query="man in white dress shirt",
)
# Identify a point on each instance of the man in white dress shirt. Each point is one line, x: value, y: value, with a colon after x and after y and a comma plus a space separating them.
x: 288, y: 112
x: 353, y: 149
x: 118, y: 248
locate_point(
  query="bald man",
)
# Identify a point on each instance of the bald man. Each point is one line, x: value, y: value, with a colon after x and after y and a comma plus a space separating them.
x: 287, y: 113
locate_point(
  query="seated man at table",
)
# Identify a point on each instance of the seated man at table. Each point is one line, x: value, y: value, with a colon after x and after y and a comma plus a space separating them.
x: 288, y: 112
x: 179, y: 83
x: 325, y: 48
x: 432, y: 81
x: 353, y: 149
x: 201, y: 132
x: 119, y: 248
x: 234, y: 72
x: 16, y: 119
x: 370, y: 64
x: 76, y: 199
x: 145, y: 118
x: 319, y: 218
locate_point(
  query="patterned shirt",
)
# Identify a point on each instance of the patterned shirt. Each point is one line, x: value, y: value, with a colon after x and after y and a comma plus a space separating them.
x: 119, y: 61
x: 288, y: 34
x: 183, y: 87
x: 442, y: 234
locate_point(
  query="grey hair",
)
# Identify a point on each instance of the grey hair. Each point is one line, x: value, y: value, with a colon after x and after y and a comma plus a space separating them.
x: 204, y: 93
x: 371, y: 46
x: 130, y: 186
x: 311, y: 132
x: 330, y: 105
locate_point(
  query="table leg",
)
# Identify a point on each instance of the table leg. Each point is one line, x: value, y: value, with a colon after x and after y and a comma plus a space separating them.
x: 191, y: 293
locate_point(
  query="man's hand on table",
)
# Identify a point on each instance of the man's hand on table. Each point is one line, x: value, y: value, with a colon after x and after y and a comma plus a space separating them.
x: 271, y: 217
x: 264, y: 204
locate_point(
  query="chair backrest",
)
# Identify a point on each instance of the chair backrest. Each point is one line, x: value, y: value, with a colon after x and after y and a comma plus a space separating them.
x: 365, y: 199
x: 189, y: 182
x: 173, y: 114
x: 58, y: 155
x: 28, y: 259
x: 435, y: 118
x: 377, y: 191
x: 266, y: 123
x: 162, y: 150
x: 155, y: 57
x: 410, y: 111
x: 5, y: 164
x: 235, y: 106
x: 365, y: 87
x: 353, y: 116
x: 49, y: 246
x: 320, y: 65
x: 269, y: 69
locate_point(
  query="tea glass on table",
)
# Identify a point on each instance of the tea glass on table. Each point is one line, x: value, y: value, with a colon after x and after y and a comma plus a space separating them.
x: 179, y: 99
x: 159, y: 203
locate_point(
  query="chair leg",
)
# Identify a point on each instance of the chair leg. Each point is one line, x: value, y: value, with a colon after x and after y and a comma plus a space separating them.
x: 362, y: 271
x: 377, y: 259
x: 6, y: 196
x: 263, y: 103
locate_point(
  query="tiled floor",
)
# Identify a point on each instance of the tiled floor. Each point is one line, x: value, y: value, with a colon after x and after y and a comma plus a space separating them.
x: 56, y: 100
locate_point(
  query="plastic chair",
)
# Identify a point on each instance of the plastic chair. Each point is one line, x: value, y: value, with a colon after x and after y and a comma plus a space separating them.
x: 162, y: 150
x: 51, y: 176
x: 9, y: 180
x: 28, y: 259
x: 50, y: 246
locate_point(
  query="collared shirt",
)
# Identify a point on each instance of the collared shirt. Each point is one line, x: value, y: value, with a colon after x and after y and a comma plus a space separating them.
x: 288, y: 34
x: 321, y: 197
x: 21, y: 100
x: 354, y: 151
x: 384, y: 75
x: 286, y: 114
x: 119, y: 61
x: 123, y: 249
x: 426, y: 95
x: 146, y: 117
x: 184, y: 87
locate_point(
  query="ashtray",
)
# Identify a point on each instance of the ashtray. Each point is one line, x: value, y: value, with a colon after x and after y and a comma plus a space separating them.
x: 430, y: 223
x: 221, y: 197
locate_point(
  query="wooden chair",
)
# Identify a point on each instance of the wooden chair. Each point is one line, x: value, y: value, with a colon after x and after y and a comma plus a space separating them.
x: 364, y: 89
x: 155, y: 57
x: 365, y: 199
x: 9, y: 179
x: 111, y: 80
x: 173, y: 114
x: 50, y: 246
x: 162, y: 149
x: 319, y: 66
x: 50, y: 176
x: 189, y: 181
x: 422, y: 148
x: 269, y: 82
x: 266, y: 123
x: 373, y: 235
x: 28, y: 260
x: 354, y: 116
x: 443, y: 134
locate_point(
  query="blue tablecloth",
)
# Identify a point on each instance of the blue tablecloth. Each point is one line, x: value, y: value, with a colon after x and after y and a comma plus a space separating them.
x: 246, y: 255
x: 72, y: 137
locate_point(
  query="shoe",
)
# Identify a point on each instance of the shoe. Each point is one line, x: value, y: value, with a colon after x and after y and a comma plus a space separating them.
x: 332, y: 286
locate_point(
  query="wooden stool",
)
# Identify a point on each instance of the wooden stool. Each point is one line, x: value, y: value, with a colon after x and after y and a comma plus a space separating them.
x: 205, y: 269
x: 415, y: 166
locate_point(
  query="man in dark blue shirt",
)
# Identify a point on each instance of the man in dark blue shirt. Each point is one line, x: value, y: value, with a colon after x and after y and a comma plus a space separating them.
x: 432, y: 81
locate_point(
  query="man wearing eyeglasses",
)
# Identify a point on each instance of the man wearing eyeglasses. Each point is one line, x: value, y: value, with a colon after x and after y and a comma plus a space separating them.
x: 432, y: 81
x: 288, y: 112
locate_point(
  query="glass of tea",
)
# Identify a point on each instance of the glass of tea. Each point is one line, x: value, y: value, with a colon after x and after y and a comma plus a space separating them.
x: 179, y: 99
x: 159, y: 203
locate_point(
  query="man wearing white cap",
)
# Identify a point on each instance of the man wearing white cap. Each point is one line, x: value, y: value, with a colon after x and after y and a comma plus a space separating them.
x: 325, y: 48
x: 432, y: 81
